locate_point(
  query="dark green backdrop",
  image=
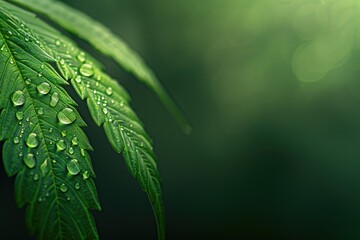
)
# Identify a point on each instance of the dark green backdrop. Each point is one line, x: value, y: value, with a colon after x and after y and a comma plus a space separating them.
x: 272, y: 90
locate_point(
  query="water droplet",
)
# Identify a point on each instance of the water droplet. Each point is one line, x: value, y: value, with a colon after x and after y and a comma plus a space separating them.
x: 63, y: 133
x: 66, y: 116
x: 77, y: 186
x: 19, y: 115
x: 71, y: 150
x: 42, y: 66
x: 83, y: 152
x: 60, y: 145
x: 18, y: 98
x: 39, y: 74
x: 44, y: 167
x: 109, y: 91
x: 75, y: 141
x: 41, y: 111
x: 36, y: 177
x: 16, y: 140
x: 44, y: 88
x: 63, y: 187
x: 57, y: 43
x: 86, y: 175
x: 51, y: 130
x: 78, y: 79
x: 32, y: 141
x: 29, y: 160
x: 73, y: 167
x: 105, y: 111
x: 11, y: 61
x: 86, y: 70
x: 54, y: 99
x: 81, y: 57
x: 62, y: 61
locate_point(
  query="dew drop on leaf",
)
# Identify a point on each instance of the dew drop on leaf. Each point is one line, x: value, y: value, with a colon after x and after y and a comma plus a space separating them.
x: 54, y: 99
x: 36, y: 177
x: 32, y: 141
x: 29, y: 160
x: 81, y: 57
x: 86, y: 70
x: 66, y: 116
x: 44, y: 88
x: 109, y: 91
x: 75, y: 141
x: 18, y: 98
x: 78, y: 79
x: 71, y: 150
x: 86, y: 175
x: 63, y: 188
x: 73, y: 167
x: 60, y: 145
x: 41, y: 111
x: 44, y: 168
x: 19, y: 115
x: 16, y: 140
x: 77, y: 186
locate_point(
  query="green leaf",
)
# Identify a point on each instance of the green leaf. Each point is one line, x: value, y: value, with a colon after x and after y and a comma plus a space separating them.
x: 106, y: 42
x: 109, y: 105
x: 44, y: 145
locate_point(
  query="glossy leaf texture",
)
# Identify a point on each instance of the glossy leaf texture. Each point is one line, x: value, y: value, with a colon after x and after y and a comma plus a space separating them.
x: 45, y: 148
x: 109, y: 44
x: 109, y: 106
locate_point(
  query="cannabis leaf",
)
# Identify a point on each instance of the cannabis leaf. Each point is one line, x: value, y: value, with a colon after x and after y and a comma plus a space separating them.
x: 106, y: 42
x: 45, y: 147
x: 55, y: 125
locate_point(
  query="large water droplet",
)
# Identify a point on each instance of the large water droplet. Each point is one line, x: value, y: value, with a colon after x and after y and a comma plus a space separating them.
x: 32, y: 141
x: 18, y: 98
x: 66, y: 116
x: 44, y: 88
x: 73, y: 167
x: 19, y: 115
x: 63, y: 188
x: 54, y: 99
x: 29, y: 160
x: 86, y: 70
x: 60, y: 145
x: 86, y: 175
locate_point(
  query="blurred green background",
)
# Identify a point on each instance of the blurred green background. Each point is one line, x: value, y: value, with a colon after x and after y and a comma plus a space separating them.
x: 272, y: 90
